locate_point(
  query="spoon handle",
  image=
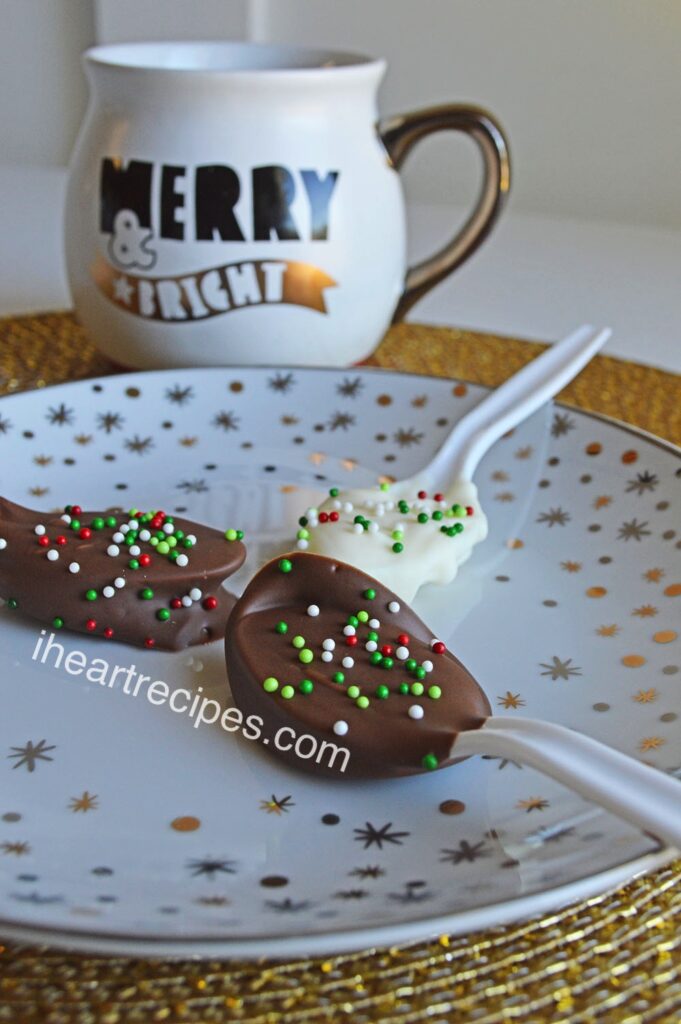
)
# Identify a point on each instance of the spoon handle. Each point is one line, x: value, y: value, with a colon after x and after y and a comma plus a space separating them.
x: 511, y: 403
x: 641, y: 795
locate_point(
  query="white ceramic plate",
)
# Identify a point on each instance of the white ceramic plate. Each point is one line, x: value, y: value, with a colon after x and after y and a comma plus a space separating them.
x: 124, y: 828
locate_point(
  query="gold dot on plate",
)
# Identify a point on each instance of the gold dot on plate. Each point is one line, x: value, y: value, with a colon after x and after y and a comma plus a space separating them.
x: 629, y: 456
x: 669, y: 716
x: 633, y: 660
x: 273, y: 881
x: 452, y: 807
x: 673, y: 590
x: 601, y: 707
x: 186, y: 823
x: 515, y: 543
x: 459, y: 390
x: 595, y: 448
x: 596, y: 592
x: 384, y: 400
x: 236, y: 386
x: 665, y: 636
x: 133, y: 392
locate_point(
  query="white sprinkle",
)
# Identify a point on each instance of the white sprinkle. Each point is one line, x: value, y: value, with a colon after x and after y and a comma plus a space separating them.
x: 374, y: 624
x: 390, y: 505
x: 348, y: 506
x: 329, y: 644
x: 313, y: 610
x: 3, y: 543
x: 442, y: 504
x: 373, y: 527
x: 195, y: 594
x: 380, y: 511
x: 416, y: 711
x: 302, y: 544
x: 119, y: 583
x: 191, y: 538
x: 108, y: 592
x: 113, y: 550
x: 118, y: 537
x: 357, y: 528
x: 427, y: 665
x: 135, y: 550
x: 338, y: 505
x: 371, y: 646
x: 399, y: 526
x: 313, y: 523
x: 348, y: 662
x: 349, y: 630
x: 394, y: 606
x: 39, y: 530
x: 181, y: 560
x: 144, y: 536
x: 133, y: 524
x: 52, y: 555
x: 74, y: 567
x: 402, y: 653
x: 327, y: 656
x: 340, y: 727
x: 124, y: 528
x: 168, y: 528
x: 66, y: 519
x: 187, y: 601
x: 312, y: 511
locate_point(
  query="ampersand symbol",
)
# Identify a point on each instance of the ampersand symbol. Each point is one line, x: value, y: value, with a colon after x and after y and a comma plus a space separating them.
x: 129, y: 243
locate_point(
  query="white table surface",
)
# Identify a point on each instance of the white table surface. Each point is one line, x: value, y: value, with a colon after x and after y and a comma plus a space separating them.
x: 536, y: 276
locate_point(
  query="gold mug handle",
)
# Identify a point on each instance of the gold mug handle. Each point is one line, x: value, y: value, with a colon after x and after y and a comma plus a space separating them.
x: 400, y: 134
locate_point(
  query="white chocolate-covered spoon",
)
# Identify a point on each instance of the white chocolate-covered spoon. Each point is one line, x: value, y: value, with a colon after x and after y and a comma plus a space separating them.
x: 636, y: 792
x: 421, y: 529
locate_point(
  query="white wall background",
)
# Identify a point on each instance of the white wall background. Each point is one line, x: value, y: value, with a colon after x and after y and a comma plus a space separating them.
x: 589, y: 92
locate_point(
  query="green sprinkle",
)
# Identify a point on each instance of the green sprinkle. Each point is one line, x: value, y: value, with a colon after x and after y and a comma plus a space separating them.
x: 75, y: 524
x: 133, y: 564
x: 130, y: 538
x: 338, y: 677
x: 98, y: 523
x: 363, y: 616
x: 397, y: 535
x: 362, y: 702
x: 429, y: 762
x: 382, y: 692
x: 239, y: 534
x: 434, y: 692
x: 458, y: 527
x: 404, y: 687
x: 438, y: 515
x: 376, y: 658
x: 353, y: 621
x: 287, y: 692
x: 385, y: 487
x: 306, y: 656
x: 169, y: 519
x: 90, y: 595
x: 417, y: 689
x: 172, y: 555
x: 307, y: 686
x: 370, y: 594
x: 57, y: 622
x: 179, y: 534
x: 12, y: 603
x: 281, y: 627
x: 334, y: 492
x: 186, y: 543
x: 386, y: 662
x: 398, y: 548
x: 353, y: 692
x: 163, y: 547
x: 298, y: 642
x: 420, y: 672
x: 146, y: 594
x: 410, y: 664
x: 163, y: 615
x: 359, y: 519
x: 373, y: 635
x: 459, y: 510
x: 285, y: 565
x: 303, y: 521
x: 422, y: 517
x: 230, y: 534
x: 110, y: 521
x: 271, y: 684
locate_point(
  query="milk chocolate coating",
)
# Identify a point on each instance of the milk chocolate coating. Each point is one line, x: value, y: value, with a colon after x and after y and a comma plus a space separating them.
x: 383, y: 740
x: 45, y: 589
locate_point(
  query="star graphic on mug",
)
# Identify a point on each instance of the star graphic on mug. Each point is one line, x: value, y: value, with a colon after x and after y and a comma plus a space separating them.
x: 122, y: 290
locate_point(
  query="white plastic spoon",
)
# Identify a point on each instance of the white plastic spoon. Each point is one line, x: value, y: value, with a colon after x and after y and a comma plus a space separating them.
x: 420, y: 530
x: 641, y: 795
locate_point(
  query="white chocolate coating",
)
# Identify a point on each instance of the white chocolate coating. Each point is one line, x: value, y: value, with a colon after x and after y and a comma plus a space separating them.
x: 428, y: 556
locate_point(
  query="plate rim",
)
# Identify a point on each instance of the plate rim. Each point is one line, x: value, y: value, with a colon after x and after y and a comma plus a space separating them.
x: 345, y: 940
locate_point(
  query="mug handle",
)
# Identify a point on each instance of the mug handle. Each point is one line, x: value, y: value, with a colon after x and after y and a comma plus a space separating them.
x: 399, y: 134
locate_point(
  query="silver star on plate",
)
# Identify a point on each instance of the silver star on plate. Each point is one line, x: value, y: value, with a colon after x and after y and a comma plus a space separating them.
x: 122, y: 290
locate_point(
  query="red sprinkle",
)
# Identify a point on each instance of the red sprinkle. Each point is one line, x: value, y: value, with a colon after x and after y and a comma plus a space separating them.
x: 108, y: 632
x: 323, y: 517
x: 209, y: 603
x: 85, y: 533
x: 76, y: 510
x: 91, y: 624
x: 149, y: 642
x: 403, y: 639
x: 469, y: 510
x: 439, y: 647
x: 43, y: 541
x: 386, y: 649
x: 351, y: 641
x: 176, y: 603
x: 333, y: 516
x: 60, y: 540
x: 145, y: 560
x: 422, y: 495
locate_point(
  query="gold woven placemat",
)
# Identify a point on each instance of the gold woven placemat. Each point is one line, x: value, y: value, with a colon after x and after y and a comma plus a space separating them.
x: 614, y: 959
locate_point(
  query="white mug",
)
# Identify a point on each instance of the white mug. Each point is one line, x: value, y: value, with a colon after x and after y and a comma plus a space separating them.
x: 236, y: 203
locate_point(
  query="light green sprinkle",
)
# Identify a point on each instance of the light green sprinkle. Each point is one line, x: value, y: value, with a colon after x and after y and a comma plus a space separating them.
x: 353, y: 692
x: 435, y: 692
x: 287, y: 692
x: 270, y: 684
x: 362, y: 702
x: 298, y: 642
x: 306, y: 656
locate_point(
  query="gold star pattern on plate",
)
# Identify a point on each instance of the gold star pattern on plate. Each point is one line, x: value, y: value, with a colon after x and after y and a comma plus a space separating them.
x: 524, y: 453
x: 504, y: 496
x: 85, y: 802
x: 511, y: 700
x: 420, y: 401
x: 653, y: 575
x: 289, y: 421
x: 42, y: 460
x: 533, y: 803
x: 213, y: 901
x: 83, y: 439
x: 188, y: 442
x: 18, y: 849
x: 645, y: 696
x: 571, y: 566
x: 602, y: 501
x: 39, y: 492
x: 650, y: 743
x: 277, y: 805
x: 500, y: 476
x: 349, y: 464
x: 611, y: 630
x: 317, y: 458
x: 646, y: 611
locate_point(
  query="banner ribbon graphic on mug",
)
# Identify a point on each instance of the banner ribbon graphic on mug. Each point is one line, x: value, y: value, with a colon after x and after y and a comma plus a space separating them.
x: 214, y: 291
